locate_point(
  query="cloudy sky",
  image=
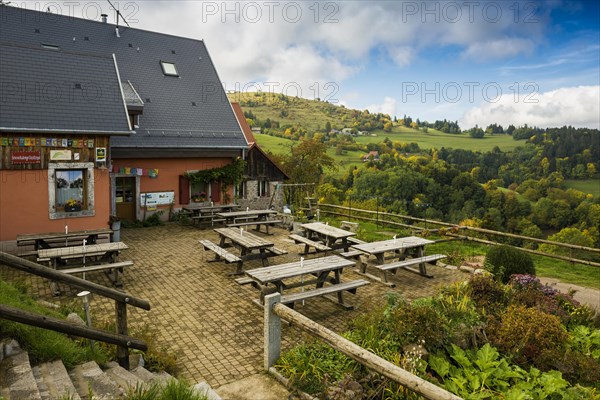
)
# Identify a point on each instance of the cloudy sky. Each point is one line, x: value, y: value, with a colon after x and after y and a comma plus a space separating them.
x: 478, y: 62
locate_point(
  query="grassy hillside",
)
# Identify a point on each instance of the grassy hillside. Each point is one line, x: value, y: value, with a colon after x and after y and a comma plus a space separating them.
x: 313, y: 115
x: 436, y: 139
x: 591, y: 186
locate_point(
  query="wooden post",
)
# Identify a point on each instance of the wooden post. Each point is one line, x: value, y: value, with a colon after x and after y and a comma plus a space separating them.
x: 122, y: 351
x: 272, y: 331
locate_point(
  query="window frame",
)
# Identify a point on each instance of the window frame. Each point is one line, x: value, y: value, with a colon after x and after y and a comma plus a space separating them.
x: 241, y: 190
x: 88, y: 190
x: 263, y: 188
x: 163, y: 65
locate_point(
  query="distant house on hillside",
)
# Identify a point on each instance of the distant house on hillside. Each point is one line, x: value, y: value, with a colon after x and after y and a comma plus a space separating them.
x: 262, y: 175
x: 371, y: 156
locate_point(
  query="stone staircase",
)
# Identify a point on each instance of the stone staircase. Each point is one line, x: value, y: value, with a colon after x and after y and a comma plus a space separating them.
x: 51, y: 380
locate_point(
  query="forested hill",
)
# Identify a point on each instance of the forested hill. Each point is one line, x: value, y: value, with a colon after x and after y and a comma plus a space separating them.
x: 545, y: 185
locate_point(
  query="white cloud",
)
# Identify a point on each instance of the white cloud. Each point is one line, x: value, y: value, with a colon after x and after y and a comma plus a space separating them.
x: 402, y: 55
x: 499, y: 48
x: 389, y: 106
x: 576, y: 106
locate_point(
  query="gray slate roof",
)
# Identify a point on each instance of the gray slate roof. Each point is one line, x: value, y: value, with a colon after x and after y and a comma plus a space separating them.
x: 189, y: 111
x: 39, y: 92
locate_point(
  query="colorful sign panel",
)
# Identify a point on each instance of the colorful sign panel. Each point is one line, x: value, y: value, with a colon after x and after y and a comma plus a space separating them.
x: 25, y: 157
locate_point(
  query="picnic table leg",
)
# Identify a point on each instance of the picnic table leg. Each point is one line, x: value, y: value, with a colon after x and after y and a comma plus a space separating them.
x: 264, y: 259
x: 53, y: 285
x: 345, y: 244
x: 422, y: 267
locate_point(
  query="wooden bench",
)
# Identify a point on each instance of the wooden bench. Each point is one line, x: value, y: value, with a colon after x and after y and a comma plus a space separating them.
x: 258, y: 223
x: 220, y: 253
x: 244, y: 280
x: 309, y: 243
x: 276, y: 251
x: 114, y: 267
x: 354, y: 254
x: 408, y: 264
x: 331, y: 289
x: 355, y: 240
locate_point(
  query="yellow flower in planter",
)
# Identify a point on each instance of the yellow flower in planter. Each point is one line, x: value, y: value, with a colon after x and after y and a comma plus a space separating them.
x: 71, y: 203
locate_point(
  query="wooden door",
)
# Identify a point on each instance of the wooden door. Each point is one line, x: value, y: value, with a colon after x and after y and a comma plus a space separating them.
x: 125, y: 196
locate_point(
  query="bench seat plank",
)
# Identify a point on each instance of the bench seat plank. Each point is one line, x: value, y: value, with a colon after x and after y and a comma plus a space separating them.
x: 91, y: 268
x: 410, y: 262
x: 339, y: 287
x: 309, y: 243
x: 219, y: 251
x: 355, y: 240
x: 259, y: 222
x: 353, y: 254
x: 276, y: 251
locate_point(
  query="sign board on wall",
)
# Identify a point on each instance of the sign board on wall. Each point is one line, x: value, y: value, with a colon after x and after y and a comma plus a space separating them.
x: 60, y: 155
x: 25, y: 157
x: 156, y: 199
x: 100, y: 154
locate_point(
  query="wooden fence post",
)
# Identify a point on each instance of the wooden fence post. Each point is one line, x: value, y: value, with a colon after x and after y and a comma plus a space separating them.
x: 122, y: 351
x: 272, y: 331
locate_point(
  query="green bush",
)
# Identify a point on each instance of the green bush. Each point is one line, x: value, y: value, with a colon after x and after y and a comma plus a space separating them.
x: 488, y: 294
x: 504, y: 261
x: 528, y: 335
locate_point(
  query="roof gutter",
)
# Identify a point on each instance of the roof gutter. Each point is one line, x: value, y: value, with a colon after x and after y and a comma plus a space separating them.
x: 65, y: 131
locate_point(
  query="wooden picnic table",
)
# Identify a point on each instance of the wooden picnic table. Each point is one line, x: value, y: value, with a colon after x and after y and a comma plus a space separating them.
x: 250, y: 217
x: 330, y: 235
x: 92, y: 254
x: 103, y: 251
x: 251, y: 247
x: 318, y: 271
x: 399, y: 247
x: 201, y: 212
x: 232, y: 216
x: 60, y: 239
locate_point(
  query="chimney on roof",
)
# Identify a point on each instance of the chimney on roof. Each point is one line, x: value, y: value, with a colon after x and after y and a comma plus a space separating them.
x: 104, y: 18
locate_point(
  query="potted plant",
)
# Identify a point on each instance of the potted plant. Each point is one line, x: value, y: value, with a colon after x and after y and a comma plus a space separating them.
x: 199, y: 197
x: 72, y: 205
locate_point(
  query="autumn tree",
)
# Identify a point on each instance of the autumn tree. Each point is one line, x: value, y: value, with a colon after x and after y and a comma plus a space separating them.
x: 307, y: 161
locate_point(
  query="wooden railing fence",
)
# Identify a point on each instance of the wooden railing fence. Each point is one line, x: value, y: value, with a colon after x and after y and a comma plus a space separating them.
x: 275, y: 311
x: 452, y: 230
x: 120, y: 338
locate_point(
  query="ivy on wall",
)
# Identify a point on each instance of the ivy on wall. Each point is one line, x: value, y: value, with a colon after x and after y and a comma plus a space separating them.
x: 230, y: 174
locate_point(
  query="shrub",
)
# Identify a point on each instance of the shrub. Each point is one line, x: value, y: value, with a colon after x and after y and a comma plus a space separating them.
x: 529, y: 335
x: 421, y: 321
x: 488, y: 294
x: 504, y: 261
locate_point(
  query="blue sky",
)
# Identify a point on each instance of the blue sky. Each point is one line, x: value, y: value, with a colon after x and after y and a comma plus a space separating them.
x: 478, y: 62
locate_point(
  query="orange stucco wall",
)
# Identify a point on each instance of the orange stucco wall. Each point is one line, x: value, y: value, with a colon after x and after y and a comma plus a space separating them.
x: 24, y: 204
x: 169, y: 170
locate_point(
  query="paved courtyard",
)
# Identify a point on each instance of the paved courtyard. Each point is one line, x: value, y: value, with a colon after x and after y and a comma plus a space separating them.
x: 206, y: 318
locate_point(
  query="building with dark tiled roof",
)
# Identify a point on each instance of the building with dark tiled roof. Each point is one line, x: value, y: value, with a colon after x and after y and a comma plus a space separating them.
x: 123, y: 113
x: 262, y: 178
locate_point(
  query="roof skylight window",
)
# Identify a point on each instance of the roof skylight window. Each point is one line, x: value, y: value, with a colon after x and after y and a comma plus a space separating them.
x: 50, y: 46
x: 169, y: 68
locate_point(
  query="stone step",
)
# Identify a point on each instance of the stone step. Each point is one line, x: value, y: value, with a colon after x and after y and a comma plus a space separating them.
x: 90, y: 380
x: 144, y: 374
x: 17, y: 381
x: 204, y: 389
x: 123, y: 378
x: 54, y: 382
